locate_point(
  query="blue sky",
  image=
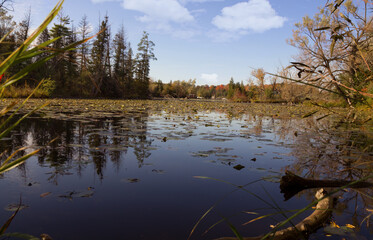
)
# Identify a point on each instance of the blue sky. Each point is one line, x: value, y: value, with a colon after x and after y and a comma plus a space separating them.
x: 207, y: 40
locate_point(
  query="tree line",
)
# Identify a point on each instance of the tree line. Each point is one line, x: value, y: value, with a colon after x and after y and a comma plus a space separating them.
x: 105, y: 66
x: 255, y: 90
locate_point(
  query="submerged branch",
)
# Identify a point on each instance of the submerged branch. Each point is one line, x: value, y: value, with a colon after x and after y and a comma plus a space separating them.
x: 291, y: 184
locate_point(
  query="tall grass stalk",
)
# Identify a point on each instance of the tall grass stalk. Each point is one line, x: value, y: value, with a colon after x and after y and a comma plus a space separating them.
x: 237, y: 188
x: 23, y: 53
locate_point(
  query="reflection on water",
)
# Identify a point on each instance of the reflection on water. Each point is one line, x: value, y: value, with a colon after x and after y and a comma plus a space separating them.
x: 131, y: 177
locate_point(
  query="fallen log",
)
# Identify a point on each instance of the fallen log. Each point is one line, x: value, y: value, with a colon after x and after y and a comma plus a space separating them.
x: 306, y: 226
x: 291, y: 184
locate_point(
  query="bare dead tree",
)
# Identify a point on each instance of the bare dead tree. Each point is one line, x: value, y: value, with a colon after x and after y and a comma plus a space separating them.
x: 6, y: 4
x: 335, y: 48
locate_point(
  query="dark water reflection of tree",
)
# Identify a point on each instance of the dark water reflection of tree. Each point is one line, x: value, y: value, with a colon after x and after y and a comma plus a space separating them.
x: 79, y: 143
x: 323, y: 151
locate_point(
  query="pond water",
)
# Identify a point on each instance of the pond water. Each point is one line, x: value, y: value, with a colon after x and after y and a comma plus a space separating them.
x: 153, y: 172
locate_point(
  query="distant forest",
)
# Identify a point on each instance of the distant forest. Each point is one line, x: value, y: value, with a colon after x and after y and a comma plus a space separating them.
x: 334, y: 62
x: 105, y: 66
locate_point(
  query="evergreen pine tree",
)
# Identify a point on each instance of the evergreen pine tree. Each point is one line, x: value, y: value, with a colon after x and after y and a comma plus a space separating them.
x: 143, y: 57
x: 84, y: 78
x: 84, y: 47
x: 99, y: 58
x: 129, y: 67
x: 60, y: 63
x: 45, y: 71
x: 119, y: 43
x: 71, y: 63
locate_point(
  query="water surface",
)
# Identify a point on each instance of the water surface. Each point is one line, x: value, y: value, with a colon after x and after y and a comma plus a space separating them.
x: 143, y: 172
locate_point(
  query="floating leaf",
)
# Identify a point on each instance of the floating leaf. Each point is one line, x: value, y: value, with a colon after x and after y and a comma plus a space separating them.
x: 342, y: 231
x: 14, y: 207
x: 199, y: 154
x: 274, y: 178
x: 45, y: 194
x: 239, y: 167
x: 79, y: 194
x: 131, y: 180
x: 158, y: 171
x: 350, y: 226
x: 261, y: 169
x: 84, y: 194
x: 272, y: 226
x: 333, y: 224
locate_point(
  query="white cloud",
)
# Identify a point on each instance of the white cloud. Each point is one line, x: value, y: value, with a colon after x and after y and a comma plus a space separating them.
x: 162, y: 11
x: 167, y: 16
x: 254, y: 15
x: 210, y: 79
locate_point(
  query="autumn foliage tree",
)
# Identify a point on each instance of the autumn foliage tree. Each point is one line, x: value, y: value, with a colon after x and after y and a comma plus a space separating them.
x: 336, y: 49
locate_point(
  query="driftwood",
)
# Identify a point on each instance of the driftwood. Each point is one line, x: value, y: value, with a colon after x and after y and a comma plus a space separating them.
x: 291, y: 184
x: 306, y: 226
x: 45, y: 236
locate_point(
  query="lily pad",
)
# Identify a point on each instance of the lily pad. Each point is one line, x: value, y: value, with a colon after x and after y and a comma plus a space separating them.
x: 131, y: 180
x: 239, y: 167
x: 43, y: 195
x: 84, y: 194
x: 342, y: 231
x: 14, y: 206
x: 158, y: 171
x: 78, y: 194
